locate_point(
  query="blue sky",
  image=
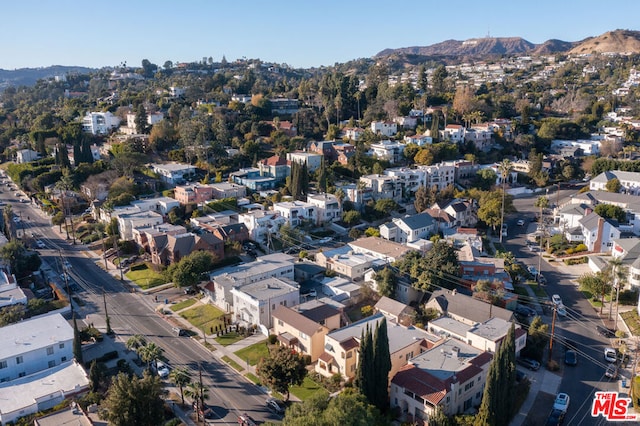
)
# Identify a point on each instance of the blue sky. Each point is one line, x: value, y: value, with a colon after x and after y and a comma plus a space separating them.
x: 301, y: 33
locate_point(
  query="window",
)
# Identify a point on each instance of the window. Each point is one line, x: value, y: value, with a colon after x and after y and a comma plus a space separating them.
x: 349, y: 354
x: 63, y: 359
x: 22, y: 374
x: 52, y: 363
x: 50, y: 350
x: 273, y: 306
x: 19, y: 360
x: 3, y: 364
x: 280, y: 323
x: 61, y: 346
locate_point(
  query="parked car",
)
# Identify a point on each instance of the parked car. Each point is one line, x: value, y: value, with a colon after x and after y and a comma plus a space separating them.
x: 525, y: 311
x: 531, y: 364
x: 555, y: 418
x: 16, y: 219
x: 40, y: 244
x: 179, y: 331
x: 562, y: 402
x: 561, y: 311
x: 542, y: 280
x: 556, y: 300
x: 162, y: 370
x: 532, y: 270
x: 520, y: 222
x: 610, y: 355
x: 571, y: 357
x: 520, y: 376
x: 189, y: 290
x: 612, y: 371
x: 275, y: 405
x: 606, y: 332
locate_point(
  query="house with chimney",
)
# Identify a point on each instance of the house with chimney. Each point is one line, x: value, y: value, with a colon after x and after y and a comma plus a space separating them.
x: 598, y: 232
x: 465, y: 309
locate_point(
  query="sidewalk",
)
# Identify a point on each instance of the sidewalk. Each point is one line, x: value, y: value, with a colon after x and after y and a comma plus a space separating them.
x: 542, y: 381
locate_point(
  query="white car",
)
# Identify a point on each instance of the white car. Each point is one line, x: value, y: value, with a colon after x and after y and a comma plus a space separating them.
x: 556, y: 300
x: 562, y: 402
x: 162, y: 370
x: 561, y: 311
x: 533, y: 271
x: 40, y: 244
x: 520, y: 222
x: 16, y: 219
x: 610, y: 355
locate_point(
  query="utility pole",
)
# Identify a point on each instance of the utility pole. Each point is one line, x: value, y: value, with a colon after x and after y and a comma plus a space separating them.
x: 617, y: 305
x: 553, y: 328
x: 104, y: 256
x: 615, y: 285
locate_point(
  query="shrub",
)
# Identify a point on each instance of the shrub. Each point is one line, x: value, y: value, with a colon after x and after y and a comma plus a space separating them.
x: 307, y: 359
x: 569, y: 251
x: 580, y: 247
x: 273, y: 339
x: 628, y: 297
x: 366, y: 310
x: 553, y: 366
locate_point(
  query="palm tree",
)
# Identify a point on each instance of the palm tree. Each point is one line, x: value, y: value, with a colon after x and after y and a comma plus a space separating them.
x: 135, y: 342
x: 340, y: 195
x: 180, y: 377
x: 543, y: 203
x: 149, y: 354
x: 504, y: 167
x: 618, y: 276
x: 198, y: 393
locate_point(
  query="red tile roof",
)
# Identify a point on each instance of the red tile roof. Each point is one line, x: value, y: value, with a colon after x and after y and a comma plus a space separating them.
x: 420, y: 383
x: 326, y: 357
x: 275, y: 161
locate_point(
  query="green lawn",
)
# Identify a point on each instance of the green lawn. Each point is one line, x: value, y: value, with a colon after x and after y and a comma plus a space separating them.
x: 255, y: 379
x: 183, y: 305
x: 308, y: 388
x: 254, y: 352
x: 538, y: 290
x: 145, y: 277
x: 596, y: 303
x: 204, y: 317
x: 229, y: 338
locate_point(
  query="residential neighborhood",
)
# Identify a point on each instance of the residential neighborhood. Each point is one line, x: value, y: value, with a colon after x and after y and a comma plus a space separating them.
x: 435, y: 241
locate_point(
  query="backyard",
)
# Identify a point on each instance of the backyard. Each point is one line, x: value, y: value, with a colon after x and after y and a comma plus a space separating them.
x: 145, y: 277
x: 632, y: 320
x: 204, y: 317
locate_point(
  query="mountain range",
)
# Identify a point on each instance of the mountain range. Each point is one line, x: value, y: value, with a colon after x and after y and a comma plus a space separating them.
x: 618, y: 41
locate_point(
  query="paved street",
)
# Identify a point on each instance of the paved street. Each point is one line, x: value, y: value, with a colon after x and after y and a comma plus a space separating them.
x: 134, y: 313
x: 577, y: 330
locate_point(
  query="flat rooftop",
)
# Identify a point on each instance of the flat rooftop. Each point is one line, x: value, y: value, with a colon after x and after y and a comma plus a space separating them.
x: 34, y: 334
x: 443, y: 362
x: 267, y: 288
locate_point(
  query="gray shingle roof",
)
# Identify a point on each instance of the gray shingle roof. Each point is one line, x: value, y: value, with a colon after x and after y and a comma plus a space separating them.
x: 418, y: 221
x: 469, y: 307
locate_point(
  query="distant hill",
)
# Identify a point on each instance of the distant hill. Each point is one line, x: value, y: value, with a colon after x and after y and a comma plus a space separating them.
x: 29, y: 76
x: 613, y: 41
x: 618, y: 41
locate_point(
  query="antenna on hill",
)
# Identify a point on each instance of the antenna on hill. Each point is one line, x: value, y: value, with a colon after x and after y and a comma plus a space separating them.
x: 489, y: 32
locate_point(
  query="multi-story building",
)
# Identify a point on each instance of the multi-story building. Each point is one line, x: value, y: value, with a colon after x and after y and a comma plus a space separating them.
x: 196, y: 193
x: 227, y: 190
x: 411, y: 179
x: 254, y: 303
x: 99, y: 123
x: 449, y: 376
x: 261, y: 223
x: 276, y: 167
x: 388, y: 150
x: 34, y: 345
x: 173, y: 173
x: 296, y: 212
x: 311, y: 159
x: 380, y: 186
x: 438, y: 175
x: 408, y: 229
x: 252, y: 179
x: 629, y: 181
x: 283, y: 106
x: 384, y: 128
x: 328, y: 207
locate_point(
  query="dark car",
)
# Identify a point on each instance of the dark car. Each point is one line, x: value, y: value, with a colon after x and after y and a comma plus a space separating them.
x: 555, y: 418
x: 520, y: 376
x: 189, y: 290
x: 525, y: 311
x: 606, y: 332
x: 531, y: 364
x: 571, y: 357
x: 275, y: 406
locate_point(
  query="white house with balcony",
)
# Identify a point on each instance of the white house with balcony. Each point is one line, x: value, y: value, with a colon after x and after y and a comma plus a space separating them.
x: 296, y: 212
x: 173, y: 173
x: 99, y: 123
x: 391, y: 151
x: 311, y: 159
x: 328, y: 209
x: 408, y: 229
x: 255, y: 303
x: 438, y: 175
x: 411, y: 179
x: 419, y: 140
x: 382, y: 186
x: 384, y: 128
x: 261, y: 223
x: 453, y: 133
x: 628, y: 251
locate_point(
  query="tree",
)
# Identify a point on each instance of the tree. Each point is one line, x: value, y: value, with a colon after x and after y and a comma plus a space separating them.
x: 386, y: 281
x: 490, y: 207
x: 377, y: 168
x: 505, y: 169
x: 281, y: 369
x: 595, y: 283
x: 609, y: 211
x: 385, y: 206
x: 537, y: 339
x: 351, y: 217
x: 132, y: 401
x: 355, y: 233
x: 199, y: 393
x: 381, y: 366
x: 485, y: 179
x: 439, y: 267
x: 498, y: 399
x: 365, y: 375
x: 372, y: 232
x: 613, y: 185
x: 21, y: 261
x: 190, y: 269
x: 150, y: 354
x: 289, y: 235
x: 422, y: 201
x: 135, y: 342
x: 96, y: 375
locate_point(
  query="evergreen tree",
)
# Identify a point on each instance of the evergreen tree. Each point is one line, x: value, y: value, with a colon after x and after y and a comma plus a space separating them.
x: 382, y: 366
x: 364, y: 379
x: 40, y: 145
x: 435, y: 123
x: 498, y: 399
x: 87, y: 156
x: 322, y: 178
x: 77, y: 152
x: 77, y: 343
x: 62, y: 157
x: 304, y: 180
x: 141, y: 119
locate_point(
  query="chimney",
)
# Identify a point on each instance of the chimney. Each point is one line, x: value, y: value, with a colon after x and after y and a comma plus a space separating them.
x: 588, y: 211
x: 597, y: 245
x: 453, y: 292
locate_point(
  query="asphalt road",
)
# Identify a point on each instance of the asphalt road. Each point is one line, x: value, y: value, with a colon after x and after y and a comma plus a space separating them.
x: 133, y: 313
x: 576, y: 330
